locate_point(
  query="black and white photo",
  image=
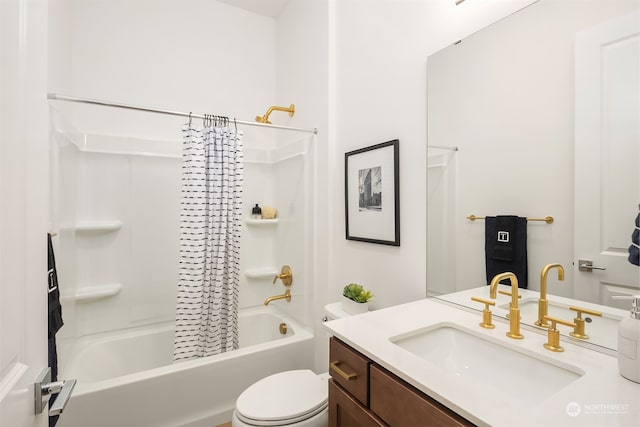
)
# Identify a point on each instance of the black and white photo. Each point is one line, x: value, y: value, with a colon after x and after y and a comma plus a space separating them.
x: 372, y: 208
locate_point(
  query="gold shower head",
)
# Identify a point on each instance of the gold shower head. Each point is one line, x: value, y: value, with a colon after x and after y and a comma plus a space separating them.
x: 265, y: 119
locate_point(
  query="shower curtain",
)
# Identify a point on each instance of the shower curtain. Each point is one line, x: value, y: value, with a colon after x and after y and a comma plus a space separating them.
x: 210, y: 225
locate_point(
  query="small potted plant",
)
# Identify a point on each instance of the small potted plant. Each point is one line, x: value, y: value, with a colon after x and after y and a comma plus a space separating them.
x: 355, y: 299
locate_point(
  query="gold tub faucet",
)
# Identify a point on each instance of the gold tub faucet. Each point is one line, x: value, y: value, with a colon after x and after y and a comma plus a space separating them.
x: 543, y: 304
x: 286, y: 295
x: 514, y: 310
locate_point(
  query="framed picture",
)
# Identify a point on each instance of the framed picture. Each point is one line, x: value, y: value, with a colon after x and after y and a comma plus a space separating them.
x: 372, y: 192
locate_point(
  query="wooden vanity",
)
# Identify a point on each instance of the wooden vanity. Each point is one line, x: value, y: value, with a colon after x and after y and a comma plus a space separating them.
x: 362, y: 393
x: 379, y: 379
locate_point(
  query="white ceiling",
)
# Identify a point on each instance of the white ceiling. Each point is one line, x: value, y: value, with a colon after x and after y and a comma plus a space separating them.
x: 270, y: 8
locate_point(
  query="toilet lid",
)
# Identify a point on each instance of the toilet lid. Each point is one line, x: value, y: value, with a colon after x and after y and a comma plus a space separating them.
x: 285, y: 396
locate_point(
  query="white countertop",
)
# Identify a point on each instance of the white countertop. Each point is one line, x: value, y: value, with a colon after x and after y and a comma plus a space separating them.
x: 600, y: 397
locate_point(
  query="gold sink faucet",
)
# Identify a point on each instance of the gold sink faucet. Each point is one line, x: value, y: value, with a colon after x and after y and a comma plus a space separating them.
x: 553, y: 341
x: 486, y: 313
x: 286, y: 295
x: 578, y: 330
x: 514, y: 310
x: 543, y: 304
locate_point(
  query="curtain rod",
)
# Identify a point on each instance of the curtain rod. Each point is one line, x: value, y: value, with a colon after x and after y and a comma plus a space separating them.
x: 57, y: 97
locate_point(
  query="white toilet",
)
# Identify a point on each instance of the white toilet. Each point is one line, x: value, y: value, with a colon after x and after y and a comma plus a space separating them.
x: 292, y: 398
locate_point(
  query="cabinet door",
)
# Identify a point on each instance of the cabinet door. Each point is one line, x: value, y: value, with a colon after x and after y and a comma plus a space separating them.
x: 350, y: 369
x: 400, y: 404
x: 346, y: 411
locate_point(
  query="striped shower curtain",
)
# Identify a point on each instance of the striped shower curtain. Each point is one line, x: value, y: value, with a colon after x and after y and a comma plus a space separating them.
x: 210, y: 223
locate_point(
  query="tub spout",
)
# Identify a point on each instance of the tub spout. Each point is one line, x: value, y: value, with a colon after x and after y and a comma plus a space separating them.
x: 286, y: 295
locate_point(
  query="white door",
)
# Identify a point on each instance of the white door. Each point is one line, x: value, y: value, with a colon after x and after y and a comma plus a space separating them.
x: 23, y: 208
x: 607, y: 158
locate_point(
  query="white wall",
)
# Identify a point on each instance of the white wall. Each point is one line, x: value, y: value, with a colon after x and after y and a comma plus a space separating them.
x: 59, y: 46
x: 381, y: 53
x: 194, y: 55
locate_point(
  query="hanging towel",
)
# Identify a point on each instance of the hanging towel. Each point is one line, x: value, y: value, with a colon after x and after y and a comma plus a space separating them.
x: 505, y: 247
x: 55, y: 309
x: 634, y: 249
x: 55, y: 320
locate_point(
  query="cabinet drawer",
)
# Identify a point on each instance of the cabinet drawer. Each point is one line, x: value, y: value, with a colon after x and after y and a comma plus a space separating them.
x: 346, y: 411
x: 398, y: 403
x: 350, y: 369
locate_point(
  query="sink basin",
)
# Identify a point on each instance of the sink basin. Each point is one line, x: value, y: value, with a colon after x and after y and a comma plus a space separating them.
x: 468, y: 356
x: 599, y: 329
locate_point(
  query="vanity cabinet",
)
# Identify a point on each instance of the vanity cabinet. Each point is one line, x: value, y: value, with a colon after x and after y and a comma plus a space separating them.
x: 362, y: 393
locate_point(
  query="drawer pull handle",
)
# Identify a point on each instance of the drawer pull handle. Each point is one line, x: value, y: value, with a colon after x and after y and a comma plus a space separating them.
x: 343, y: 374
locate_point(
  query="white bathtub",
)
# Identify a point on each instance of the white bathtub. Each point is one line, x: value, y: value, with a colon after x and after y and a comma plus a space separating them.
x: 128, y: 378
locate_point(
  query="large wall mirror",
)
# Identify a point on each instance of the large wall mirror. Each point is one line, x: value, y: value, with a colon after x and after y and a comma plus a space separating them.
x: 538, y: 115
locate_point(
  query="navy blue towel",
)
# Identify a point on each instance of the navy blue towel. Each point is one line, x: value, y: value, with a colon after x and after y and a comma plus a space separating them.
x: 634, y: 249
x: 505, y: 248
x: 55, y: 320
x: 55, y: 309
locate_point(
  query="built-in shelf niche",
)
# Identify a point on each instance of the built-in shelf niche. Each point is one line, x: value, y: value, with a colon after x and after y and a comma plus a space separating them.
x: 89, y: 294
x: 261, y: 222
x: 96, y: 227
x: 261, y: 273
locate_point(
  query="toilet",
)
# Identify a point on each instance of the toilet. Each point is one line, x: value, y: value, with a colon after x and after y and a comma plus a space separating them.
x: 297, y: 398
x: 290, y: 398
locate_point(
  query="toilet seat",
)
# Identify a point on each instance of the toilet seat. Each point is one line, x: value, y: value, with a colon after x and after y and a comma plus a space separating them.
x: 283, y: 398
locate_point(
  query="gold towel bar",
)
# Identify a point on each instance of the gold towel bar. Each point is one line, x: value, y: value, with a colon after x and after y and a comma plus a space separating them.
x: 548, y: 220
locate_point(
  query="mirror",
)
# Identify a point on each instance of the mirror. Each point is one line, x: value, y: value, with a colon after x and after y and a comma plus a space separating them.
x: 501, y: 136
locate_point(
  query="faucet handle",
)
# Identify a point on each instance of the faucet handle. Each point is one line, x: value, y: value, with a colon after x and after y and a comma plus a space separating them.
x: 286, y: 275
x: 578, y: 330
x: 553, y: 341
x: 508, y: 293
x: 486, y: 313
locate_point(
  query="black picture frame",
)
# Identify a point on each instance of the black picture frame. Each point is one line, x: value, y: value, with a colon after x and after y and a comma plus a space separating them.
x: 372, y: 194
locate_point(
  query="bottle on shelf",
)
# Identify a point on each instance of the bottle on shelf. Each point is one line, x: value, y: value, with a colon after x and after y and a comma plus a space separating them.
x: 256, y: 212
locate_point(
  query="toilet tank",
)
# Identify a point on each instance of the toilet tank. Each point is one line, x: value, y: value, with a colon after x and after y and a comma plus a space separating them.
x: 334, y: 311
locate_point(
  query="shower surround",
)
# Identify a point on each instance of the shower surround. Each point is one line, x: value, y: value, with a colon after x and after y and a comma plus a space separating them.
x: 115, y: 206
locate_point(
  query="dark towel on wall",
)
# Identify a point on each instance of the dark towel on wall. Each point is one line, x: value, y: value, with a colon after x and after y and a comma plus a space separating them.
x: 634, y: 249
x: 55, y: 320
x: 55, y: 309
x: 505, y: 247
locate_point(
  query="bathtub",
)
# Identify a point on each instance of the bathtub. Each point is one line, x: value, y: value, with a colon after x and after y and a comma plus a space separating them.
x: 128, y: 378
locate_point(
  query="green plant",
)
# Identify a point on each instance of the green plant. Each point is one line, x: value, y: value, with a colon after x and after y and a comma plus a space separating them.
x: 357, y: 293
